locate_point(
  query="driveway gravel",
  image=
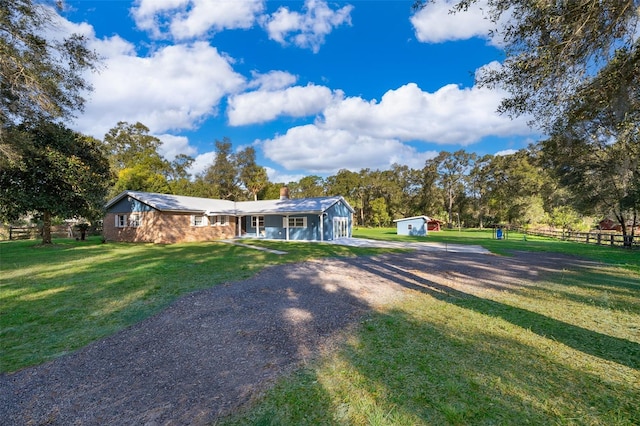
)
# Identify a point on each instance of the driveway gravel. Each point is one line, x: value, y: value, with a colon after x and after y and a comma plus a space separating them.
x: 213, y: 351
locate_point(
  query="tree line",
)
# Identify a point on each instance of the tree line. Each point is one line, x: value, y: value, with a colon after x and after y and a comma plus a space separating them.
x: 60, y: 172
x: 574, y: 67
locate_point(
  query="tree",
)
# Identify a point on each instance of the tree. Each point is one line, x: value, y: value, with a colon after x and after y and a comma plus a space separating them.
x: 308, y: 186
x: 131, y: 145
x: 596, y: 151
x: 221, y: 177
x: 253, y: 177
x: 554, y: 49
x: 134, y: 157
x: 179, y: 177
x: 564, y: 217
x: 478, y: 187
x: 513, y: 188
x: 140, y: 178
x: 379, y: 213
x: 430, y: 197
x: 40, y: 77
x: 349, y: 185
x: 271, y: 191
x: 58, y: 173
x: 453, y: 169
x: 602, y: 170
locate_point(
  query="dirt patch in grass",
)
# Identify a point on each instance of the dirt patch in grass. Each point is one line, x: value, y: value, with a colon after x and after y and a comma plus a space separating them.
x: 213, y: 351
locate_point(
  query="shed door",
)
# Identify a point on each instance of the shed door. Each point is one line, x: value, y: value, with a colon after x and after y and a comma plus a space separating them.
x: 340, y: 227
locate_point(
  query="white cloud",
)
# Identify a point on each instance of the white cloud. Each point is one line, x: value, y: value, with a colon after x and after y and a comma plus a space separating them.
x: 175, y: 87
x: 264, y: 105
x: 450, y: 115
x: 188, y: 19
x: 173, y: 145
x: 273, y: 80
x: 277, y: 177
x: 329, y: 150
x: 353, y: 133
x: 306, y: 30
x: 505, y: 152
x: 202, y: 162
x: 435, y: 23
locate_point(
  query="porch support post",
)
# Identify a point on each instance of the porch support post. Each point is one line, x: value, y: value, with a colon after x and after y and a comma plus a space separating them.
x: 286, y: 226
x: 321, y: 227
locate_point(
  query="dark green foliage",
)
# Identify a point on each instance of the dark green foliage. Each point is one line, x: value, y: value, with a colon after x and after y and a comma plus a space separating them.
x: 58, y: 173
x: 40, y: 78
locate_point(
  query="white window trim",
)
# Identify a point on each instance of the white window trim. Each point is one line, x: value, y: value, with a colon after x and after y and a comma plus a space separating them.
x: 290, y: 222
x: 134, y: 220
x: 219, y: 220
x: 203, y: 220
x: 121, y: 223
x: 257, y: 221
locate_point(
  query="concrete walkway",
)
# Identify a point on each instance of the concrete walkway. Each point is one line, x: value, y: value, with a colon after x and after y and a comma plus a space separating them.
x: 453, y: 248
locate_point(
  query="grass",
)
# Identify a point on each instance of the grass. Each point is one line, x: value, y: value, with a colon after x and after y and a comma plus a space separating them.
x: 56, y: 299
x: 563, y: 351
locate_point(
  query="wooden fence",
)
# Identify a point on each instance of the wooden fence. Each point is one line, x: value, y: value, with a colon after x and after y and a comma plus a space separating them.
x: 593, y: 237
x: 35, y: 232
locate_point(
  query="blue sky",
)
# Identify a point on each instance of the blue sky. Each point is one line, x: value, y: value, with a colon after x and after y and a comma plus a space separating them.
x: 314, y: 86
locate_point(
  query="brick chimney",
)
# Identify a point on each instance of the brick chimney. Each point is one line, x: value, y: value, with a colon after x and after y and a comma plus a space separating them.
x: 284, y: 193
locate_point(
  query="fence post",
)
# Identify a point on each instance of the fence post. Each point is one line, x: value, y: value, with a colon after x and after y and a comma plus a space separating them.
x: 628, y: 241
x: 588, y: 235
x: 613, y: 240
x: 599, y: 238
x: 10, y: 233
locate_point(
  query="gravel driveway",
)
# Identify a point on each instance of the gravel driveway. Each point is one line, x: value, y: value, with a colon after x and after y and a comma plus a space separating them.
x: 211, y: 351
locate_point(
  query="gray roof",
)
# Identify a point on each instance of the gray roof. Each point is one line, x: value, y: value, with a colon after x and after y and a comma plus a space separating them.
x: 290, y: 205
x: 209, y: 206
x: 177, y: 203
x: 425, y: 218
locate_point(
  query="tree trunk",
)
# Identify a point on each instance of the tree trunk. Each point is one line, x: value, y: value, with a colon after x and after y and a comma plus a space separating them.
x: 626, y: 238
x: 450, y: 208
x: 46, y: 228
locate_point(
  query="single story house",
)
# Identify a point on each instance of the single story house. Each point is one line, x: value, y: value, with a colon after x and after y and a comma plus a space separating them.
x: 416, y: 225
x: 135, y: 216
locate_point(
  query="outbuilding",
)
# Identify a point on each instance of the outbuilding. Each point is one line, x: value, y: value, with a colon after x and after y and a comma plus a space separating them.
x: 134, y: 216
x: 416, y: 225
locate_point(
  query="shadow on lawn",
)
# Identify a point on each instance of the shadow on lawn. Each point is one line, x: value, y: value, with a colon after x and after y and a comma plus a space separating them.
x: 591, y: 342
x: 428, y: 368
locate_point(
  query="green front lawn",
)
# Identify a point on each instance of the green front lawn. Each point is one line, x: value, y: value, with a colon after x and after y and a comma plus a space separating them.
x: 565, y: 350
x: 56, y: 299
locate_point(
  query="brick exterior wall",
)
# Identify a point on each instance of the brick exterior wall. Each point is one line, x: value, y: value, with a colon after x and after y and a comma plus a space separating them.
x: 166, y: 228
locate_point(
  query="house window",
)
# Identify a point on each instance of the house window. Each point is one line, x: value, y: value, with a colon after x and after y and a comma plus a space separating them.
x: 257, y: 221
x: 410, y: 227
x: 197, y: 220
x: 296, y: 222
x: 134, y: 220
x: 121, y: 220
x: 220, y: 220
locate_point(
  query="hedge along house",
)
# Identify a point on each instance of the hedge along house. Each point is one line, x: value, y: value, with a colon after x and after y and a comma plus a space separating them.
x: 416, y: 225
x: 161, y: 218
